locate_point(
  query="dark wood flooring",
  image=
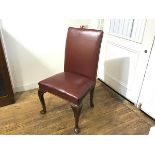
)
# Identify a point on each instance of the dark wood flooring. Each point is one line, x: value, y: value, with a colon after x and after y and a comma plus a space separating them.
x: 112, y: 115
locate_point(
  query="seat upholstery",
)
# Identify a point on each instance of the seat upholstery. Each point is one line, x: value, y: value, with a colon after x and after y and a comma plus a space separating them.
x: 70, y: 86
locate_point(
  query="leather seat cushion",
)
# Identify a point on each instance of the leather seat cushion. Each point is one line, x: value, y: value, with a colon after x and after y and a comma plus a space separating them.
x: 70, y: 86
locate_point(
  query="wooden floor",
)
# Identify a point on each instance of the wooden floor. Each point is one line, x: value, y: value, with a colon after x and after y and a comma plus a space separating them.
x: 112, y: 115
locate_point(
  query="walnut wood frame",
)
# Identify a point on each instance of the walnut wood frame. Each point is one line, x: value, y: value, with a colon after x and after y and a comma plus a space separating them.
x: 9, y: 97
x: 75, y: 107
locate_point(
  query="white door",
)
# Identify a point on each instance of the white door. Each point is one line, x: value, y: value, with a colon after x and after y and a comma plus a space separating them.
x: 124, y: 55
x: 147, y: 95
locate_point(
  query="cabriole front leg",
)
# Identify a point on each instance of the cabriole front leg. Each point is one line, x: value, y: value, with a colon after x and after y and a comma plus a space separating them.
x: 77, y: 112
x: 42, y: 101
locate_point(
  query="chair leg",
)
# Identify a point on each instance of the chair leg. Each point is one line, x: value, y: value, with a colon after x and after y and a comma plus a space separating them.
x: 41, y: 97
x: 77, y: 112
x: 91, y: 97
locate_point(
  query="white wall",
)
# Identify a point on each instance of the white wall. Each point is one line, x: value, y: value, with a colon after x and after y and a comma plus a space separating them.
x: 35, y: 48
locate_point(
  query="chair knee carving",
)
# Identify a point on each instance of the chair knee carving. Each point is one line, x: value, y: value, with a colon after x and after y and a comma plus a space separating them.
x: 80, y: 69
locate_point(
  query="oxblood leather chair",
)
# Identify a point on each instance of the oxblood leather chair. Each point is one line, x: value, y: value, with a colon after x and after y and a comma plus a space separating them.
x: 79, y: 76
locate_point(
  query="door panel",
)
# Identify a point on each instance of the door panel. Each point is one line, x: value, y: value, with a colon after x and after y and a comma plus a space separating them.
x: 147, y: 95
x: 123, y: 62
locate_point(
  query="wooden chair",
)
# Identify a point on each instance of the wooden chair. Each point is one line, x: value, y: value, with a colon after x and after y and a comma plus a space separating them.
x: 80, y: 68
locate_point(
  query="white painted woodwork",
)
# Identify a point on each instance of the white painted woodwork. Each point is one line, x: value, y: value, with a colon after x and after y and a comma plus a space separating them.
x: 147, y: 96
x: 123, y: 62
x: 132, y: 29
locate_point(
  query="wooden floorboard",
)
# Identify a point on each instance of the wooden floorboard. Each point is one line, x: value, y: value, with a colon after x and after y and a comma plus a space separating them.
x: 112, y: 115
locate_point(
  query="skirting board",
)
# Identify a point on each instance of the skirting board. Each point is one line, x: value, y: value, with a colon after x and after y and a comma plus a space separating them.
x: 25, y: 87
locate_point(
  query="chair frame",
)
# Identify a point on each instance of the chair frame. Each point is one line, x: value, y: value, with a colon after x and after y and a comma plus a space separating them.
x: 75, y: 107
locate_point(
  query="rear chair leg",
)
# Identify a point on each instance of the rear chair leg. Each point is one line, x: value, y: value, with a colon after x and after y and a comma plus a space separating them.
x: 41, y: 97
x: 91, y: 97
x: 77, y: 112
